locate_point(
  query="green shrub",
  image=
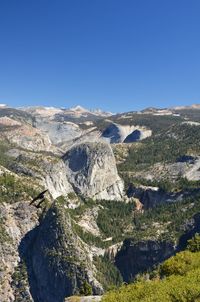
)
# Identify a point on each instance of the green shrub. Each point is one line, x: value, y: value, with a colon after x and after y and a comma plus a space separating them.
x: 194, y: 244
x: 177, y: 280
x: 86, y: 289
x: 172, y: 289
x: 180, y: 264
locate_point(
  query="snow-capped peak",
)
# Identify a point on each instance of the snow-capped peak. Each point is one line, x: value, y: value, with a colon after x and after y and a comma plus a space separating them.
x: 79, y: 109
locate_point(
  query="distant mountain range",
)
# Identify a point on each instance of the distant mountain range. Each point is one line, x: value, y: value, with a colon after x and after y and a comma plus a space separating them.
x: 78, y: 111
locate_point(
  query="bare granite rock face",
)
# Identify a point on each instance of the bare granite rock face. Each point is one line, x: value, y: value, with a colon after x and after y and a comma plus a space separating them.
x: 88, y: 169
x: 193, y: 173
x: 55, y: 179
x: 48, y: 170
x: 24, y: 135
x: 15, y: 221
x: 58, y: 132
x: 91, y: 170
x: 88, y: 221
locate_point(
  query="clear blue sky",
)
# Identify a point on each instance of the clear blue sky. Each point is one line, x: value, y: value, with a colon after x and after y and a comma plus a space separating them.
x: 119, y: 55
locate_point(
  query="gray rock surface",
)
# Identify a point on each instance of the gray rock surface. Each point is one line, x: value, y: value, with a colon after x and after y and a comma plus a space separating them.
x: 193, y: 172
x: 25, y: 136
x: 55, y: 179
x: 58, y: 132
x: 84, y: 299
x: 18, y: 219
x: 91, y: 170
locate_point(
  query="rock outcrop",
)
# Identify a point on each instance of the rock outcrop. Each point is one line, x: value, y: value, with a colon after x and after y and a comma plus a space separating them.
x: 15, y: 221
x: 88, y: 169
x: 24, y: 135
x: 55, y: 179
x: 59, y: 263
x: 84, y: 299
x: 48, y: 170
x: 116, y: 133
x: 185, y: 166
x: 193, y: 173
x: 58, y: 132
x: 91, y: 170
x: 150, y: 197
x: 141, y: 256
x: 138, y: 257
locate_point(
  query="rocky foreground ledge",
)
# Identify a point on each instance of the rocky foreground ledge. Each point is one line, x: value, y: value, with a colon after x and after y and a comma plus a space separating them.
x: 84, y: 299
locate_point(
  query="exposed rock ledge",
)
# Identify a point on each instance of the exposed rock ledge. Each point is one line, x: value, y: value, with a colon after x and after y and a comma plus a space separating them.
x: 84, y: 299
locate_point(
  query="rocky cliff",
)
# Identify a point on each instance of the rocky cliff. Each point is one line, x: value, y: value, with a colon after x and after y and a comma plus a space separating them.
x: 56, y: 180
x: 24, y: 135
x: 16, y: 220
x: 59, y: 263
x: 142, y: 256
x: 153, y: 196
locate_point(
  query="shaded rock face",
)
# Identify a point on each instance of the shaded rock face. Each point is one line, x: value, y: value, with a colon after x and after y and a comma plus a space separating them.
x: 191, y: 227
x: 150, y: 196
x: 58, y: 261
x: 133, y: 137
x: 112, y: 133
x: 134, y: 258
x: 186, y: 159
x: 91, y: 170
x: 138, y: 257
x: 116, y: 133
